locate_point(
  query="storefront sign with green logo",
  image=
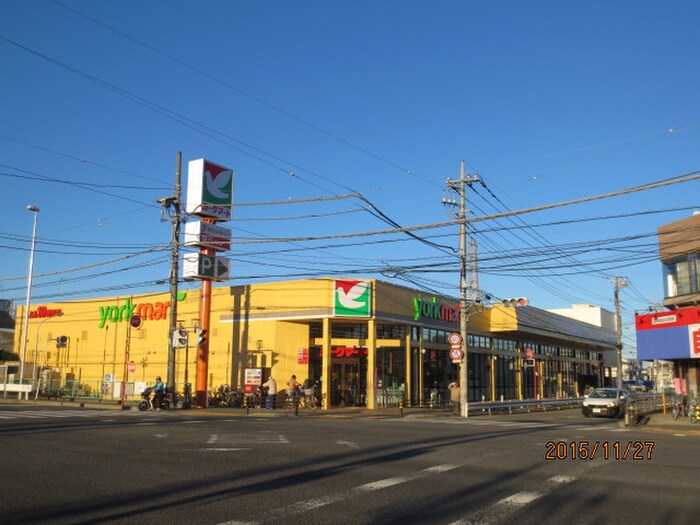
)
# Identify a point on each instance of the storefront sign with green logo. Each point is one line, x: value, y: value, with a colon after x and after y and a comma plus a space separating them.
x: 352, y: 298
x: 435, y: 310
x: 151, y: 311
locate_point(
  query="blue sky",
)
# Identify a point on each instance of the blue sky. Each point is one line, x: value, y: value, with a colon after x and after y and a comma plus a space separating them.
x: 546, y: 101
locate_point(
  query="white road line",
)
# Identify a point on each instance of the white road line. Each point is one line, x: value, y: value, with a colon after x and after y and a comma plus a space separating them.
x: 56, y: 414
x: 210, y: 449
x: 303, y: 506
x: 500, y: 510
x: 519, y: 498
x: 561, y: 479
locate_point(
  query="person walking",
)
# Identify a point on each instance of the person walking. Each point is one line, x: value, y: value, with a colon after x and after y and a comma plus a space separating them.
x: 271, y: 398
x: 455, y: 398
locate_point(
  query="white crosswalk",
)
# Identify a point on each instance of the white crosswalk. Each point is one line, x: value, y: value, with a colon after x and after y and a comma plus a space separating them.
x: 59, y: 414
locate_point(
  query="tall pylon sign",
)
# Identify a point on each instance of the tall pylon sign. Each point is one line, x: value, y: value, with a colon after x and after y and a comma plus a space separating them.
x: 209, y: 197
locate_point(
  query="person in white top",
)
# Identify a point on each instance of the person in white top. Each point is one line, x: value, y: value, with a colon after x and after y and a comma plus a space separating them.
x: 271, y: 386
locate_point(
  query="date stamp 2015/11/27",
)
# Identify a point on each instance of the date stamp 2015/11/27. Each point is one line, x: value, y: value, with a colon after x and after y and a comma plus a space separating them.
x: 608, y: 450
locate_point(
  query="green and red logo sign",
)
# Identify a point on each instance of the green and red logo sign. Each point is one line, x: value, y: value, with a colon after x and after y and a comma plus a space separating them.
x: 209, y: 190
x: 352, y: 298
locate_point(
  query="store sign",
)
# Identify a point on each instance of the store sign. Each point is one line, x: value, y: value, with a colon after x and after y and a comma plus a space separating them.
x: 348, y: 351
x: 303, y: 356
x: 209, y: 190
x: 146, y: 311
x: 352, y: 298
x: 253, y: 376
x: 201, y: 266
x: 42, y: 313
x: 207, y: 235
x: 435, y: 310
x: 666, y: 319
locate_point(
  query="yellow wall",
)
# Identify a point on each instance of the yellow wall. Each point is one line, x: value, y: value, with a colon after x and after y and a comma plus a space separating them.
x: 263, y: 331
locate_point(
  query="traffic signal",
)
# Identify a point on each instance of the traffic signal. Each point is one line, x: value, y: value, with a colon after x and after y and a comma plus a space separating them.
x: 180, y: 338
x: 515, y: 302
x: 201, y: 336
x: 61, y: 341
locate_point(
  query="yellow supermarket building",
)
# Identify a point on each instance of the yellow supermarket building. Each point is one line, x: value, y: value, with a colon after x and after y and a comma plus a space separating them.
x: 377, y: 342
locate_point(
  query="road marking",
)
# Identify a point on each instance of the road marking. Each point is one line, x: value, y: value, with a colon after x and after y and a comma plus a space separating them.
x: 520, y: 498
x: 561, y: 479
x: 499, y: 512
x: 210, y: 449
x: 49, y: 414
x: 350, y: 444
x: 303, y: 506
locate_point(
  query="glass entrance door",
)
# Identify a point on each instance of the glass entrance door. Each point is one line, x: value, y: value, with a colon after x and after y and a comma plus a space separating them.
x: 347, y: 384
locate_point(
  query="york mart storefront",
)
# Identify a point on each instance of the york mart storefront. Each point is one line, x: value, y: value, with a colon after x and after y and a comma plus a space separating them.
x: 366, y: 342
x: 381, y: 344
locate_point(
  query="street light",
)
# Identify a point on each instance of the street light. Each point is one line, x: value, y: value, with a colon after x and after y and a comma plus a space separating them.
x: 35, y: 211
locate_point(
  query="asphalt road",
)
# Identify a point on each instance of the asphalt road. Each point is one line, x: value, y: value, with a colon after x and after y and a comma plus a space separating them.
x: 70, y: 465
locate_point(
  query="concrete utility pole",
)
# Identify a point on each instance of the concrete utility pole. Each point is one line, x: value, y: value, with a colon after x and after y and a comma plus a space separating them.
x: 174, y: 202
x: 460, y: 186
x: 620, y: 282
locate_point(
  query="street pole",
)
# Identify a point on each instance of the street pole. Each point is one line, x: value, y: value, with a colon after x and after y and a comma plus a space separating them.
x: 460, y: 186
x: 27, y: 306
x: 620, y: 282
x: 176, y: 221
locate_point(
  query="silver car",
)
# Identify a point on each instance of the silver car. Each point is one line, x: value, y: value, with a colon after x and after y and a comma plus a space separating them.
x: 605, y: 402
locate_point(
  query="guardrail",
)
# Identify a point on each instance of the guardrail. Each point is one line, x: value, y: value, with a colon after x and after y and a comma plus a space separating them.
x: 527, y: 405
x: 648, y: 403
x: 643, y: 403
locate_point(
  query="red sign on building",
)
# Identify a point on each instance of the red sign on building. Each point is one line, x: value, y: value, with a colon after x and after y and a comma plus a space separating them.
x: 303, y: 356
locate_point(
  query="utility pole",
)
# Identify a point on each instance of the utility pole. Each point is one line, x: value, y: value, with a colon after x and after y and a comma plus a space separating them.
x: 460, y: 186
x: 619, y: 282
x: 172, y: 207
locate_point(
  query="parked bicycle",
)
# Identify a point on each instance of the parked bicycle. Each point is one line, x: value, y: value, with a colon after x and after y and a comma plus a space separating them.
x: 678, y: 409
x: 694, y: 410
x: 311, y: 397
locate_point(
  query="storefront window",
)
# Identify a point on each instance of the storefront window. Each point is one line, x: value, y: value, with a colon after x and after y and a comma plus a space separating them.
x: 391, y: 376
x: 391, y: 331
x: 316, y: 329
x: 507, y: 345
x: 349, y: 331
x: 415, y: 333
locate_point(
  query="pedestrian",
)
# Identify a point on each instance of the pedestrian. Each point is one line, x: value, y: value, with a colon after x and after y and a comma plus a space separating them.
x: 293, y: 384
x: 455, y: 396
x: 158, y: 393
x: 271, y: 398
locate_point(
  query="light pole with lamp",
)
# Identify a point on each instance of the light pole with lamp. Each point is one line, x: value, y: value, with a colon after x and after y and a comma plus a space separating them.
x: 34, y: 210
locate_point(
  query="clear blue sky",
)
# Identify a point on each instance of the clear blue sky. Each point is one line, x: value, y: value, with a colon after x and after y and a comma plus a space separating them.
x: 546, y: 101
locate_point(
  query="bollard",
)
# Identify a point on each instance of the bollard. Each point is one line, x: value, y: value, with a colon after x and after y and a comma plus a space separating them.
x: 401, y: 408
x: 245, y: 404
x: 630, y: 416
